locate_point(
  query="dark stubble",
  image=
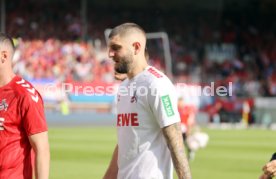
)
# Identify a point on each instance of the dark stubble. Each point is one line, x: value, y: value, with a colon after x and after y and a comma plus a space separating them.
x: 124, y: 65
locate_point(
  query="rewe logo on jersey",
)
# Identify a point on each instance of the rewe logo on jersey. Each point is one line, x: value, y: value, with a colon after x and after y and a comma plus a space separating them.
x: 30, y: 89
x: 167, y: 105
x: 3, y: 105
x: 127, y: 119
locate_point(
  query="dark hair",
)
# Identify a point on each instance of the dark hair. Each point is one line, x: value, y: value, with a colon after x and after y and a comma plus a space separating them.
x: 273, y: 157
x: 126, y: 28
x: 4, y: 38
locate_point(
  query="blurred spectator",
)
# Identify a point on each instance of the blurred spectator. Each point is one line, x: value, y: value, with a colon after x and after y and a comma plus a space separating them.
x: 187, y: 115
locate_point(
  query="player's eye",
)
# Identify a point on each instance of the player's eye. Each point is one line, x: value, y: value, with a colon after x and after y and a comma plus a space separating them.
x: 115, y: 47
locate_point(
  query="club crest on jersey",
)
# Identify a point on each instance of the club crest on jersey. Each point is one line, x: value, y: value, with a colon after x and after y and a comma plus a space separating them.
x: 3, y: 105
x: 134, y: 98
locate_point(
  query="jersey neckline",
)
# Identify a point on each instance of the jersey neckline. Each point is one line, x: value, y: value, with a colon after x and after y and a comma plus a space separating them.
x: 10, y: 82
x: 139, y: 74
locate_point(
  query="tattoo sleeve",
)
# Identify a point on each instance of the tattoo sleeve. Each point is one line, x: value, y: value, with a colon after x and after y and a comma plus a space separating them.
x: 175, y: 144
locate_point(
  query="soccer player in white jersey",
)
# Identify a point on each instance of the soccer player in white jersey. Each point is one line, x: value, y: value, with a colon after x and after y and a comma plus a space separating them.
x: 148, y: 122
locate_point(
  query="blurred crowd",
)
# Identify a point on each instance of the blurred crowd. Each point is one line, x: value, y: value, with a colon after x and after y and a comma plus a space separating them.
x: 50, y: 45
x: 250, y: 64
x: 62, y: 61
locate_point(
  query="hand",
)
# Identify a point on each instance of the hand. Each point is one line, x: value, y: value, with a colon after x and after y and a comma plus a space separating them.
x: 270, y: 168
x: 2, y: 123
x: 264, y: 176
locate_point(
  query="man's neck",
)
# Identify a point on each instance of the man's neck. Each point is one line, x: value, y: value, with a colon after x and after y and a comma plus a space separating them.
x: 6, y: 77
x: 137, y: 68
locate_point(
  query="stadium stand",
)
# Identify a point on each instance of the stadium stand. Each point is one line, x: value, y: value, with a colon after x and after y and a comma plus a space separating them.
x: 206, y: 47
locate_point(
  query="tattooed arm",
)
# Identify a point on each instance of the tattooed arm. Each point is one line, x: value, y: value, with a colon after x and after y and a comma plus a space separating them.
x: 174, y: 141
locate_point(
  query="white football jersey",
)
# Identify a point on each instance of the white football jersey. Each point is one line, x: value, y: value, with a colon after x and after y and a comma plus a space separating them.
x: 146, y: 104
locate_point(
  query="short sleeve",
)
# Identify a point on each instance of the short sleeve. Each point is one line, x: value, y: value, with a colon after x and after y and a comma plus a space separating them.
x: 33, y: 115
x: 163, y: 102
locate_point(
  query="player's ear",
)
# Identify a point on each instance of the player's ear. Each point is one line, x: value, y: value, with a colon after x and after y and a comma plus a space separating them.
x: 4, y: 56
x: 137, y: 47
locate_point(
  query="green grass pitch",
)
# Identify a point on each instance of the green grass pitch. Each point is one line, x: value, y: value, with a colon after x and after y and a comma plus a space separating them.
x: 84, y: 153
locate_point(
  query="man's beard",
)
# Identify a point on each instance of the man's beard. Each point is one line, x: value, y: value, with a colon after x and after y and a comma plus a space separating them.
x: 123, y: 66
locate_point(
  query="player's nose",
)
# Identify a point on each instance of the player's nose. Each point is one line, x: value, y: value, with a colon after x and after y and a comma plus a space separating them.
x: 111, y: 53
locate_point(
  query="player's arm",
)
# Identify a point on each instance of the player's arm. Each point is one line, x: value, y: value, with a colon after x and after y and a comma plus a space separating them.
x: 40, y: 145
x: 173, y: 136
x: 112, y: 170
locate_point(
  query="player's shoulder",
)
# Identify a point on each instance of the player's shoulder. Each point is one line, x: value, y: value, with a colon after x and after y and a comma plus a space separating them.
x: 24, y: 89
x: 154, y: 74
x: 156, y: 77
